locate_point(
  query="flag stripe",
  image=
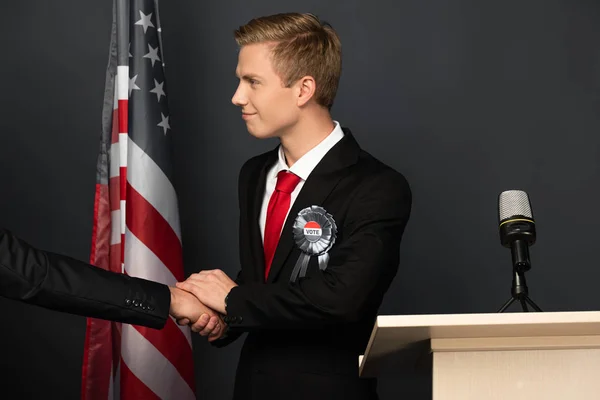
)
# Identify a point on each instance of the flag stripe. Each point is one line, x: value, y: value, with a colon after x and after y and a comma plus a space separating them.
x: 176, y: 349
x: 111, y: 386
x: 123, y: 87
x: 138, y: 354
x: 143, y: 263
x: 115, y: 220
x: 123, y: 141
x: 114, y: 193
x: 123, y: 104
x: 101, y: 228
x: 151, y: 228
x: 132, y: 387
x: 114, y: 138
x: 114, y: 159
x: 96, y: 374
x: 115, y: 257
x: 146, y: 177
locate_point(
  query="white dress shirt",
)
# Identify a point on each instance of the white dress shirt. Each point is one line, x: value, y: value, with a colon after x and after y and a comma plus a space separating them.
x: 303, y: 168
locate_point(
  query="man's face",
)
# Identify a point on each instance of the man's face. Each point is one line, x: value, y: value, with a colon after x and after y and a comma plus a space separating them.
x: 268, y: 107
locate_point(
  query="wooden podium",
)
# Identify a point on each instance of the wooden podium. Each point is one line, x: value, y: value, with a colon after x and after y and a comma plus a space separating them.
x: 508, y: 356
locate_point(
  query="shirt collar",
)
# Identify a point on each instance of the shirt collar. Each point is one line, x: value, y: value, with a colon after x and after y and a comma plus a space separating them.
x: 307, y: 163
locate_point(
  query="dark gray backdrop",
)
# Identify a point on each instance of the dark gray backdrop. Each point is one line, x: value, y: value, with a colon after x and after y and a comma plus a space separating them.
x: 466, y: 98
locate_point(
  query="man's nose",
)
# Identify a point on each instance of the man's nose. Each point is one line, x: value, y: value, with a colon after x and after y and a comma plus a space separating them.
x: 239, y: 98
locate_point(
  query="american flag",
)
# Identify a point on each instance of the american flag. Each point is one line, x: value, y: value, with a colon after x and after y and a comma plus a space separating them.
x: 136, y: 218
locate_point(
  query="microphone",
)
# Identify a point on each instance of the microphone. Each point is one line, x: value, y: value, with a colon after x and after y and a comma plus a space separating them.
x: 517, y: 226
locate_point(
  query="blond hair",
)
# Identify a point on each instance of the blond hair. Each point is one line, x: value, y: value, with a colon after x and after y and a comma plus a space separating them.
x: 303, y: 45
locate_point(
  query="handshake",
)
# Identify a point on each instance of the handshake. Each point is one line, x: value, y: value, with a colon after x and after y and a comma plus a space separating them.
x: 199, y: 302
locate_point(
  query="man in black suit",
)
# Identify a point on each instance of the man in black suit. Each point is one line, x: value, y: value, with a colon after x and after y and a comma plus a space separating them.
x: 321, y: 222
x: 61, y: 283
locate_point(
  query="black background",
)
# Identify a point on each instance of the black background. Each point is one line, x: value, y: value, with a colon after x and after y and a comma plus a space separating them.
x: 466, y: 98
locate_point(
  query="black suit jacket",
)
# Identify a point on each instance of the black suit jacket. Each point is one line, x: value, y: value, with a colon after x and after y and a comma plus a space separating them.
x: 305, y: 337
x: 64, y: 284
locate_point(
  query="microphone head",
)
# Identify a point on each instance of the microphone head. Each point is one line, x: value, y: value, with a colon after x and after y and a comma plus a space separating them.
x: 513, y: 203
x: 515, y: 218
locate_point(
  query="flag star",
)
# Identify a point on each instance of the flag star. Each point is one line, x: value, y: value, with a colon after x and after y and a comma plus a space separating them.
x: 164, y: 123
x: 132, y: 85
x: 145, y: 21
x: 152, y: 54
x: 158, y: 89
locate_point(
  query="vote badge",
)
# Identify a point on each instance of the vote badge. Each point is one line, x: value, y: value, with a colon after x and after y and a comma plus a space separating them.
x: 312, y: 231
x: 314, y: 234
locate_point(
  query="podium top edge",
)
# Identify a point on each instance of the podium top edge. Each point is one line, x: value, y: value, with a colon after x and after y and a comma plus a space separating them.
x: 425, y: 320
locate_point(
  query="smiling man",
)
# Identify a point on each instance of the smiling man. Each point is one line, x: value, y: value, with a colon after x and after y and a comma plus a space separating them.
x: 321, y: 222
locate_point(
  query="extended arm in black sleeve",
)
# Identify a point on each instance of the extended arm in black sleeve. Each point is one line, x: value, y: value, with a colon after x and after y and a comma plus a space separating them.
x: 61, y: 283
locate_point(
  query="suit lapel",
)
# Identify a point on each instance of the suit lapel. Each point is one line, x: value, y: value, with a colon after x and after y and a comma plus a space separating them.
x: 321, y: 182
x: 256, y: 188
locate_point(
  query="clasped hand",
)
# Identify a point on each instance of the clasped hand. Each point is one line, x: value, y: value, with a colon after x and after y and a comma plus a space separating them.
x: 200, y: 300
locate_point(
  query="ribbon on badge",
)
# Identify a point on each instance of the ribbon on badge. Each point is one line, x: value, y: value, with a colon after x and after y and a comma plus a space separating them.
x: 314, y: 233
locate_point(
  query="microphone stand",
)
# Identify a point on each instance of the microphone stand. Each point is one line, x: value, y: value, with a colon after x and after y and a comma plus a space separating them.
x: 520, y: 292
x: 517, y: 232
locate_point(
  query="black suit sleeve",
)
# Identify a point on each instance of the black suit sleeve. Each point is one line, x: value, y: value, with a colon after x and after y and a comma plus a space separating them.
x: 64, y: 284
x: 229, y: 336
x: 361, y: 267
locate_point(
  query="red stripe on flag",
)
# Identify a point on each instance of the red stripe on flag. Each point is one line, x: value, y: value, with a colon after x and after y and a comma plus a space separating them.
x: 154, y: 231
x: 116, y: 347
x: 97, y: 353
x: 114, y: 137
x: 101, y: 227
x: 132, y: 387
x: 172, y: 344
x: 123, y: 104
x: 95, y: 226
x: 115, y: 258
x: 123, y: 186
x: 115, y: 193
x: 123, y: 180
x: 97, y: 360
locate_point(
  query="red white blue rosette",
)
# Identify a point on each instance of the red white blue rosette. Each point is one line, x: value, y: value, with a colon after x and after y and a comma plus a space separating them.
x: 314, y: 233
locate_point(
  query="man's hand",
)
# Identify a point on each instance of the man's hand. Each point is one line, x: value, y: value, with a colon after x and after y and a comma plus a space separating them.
x: 188, y: 310
x: 210, y: 287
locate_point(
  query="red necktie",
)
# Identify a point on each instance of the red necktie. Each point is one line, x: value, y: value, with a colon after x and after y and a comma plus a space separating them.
x: 276, y: 213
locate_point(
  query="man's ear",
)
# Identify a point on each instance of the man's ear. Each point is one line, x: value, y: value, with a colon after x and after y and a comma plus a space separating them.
x: 306, y: 87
